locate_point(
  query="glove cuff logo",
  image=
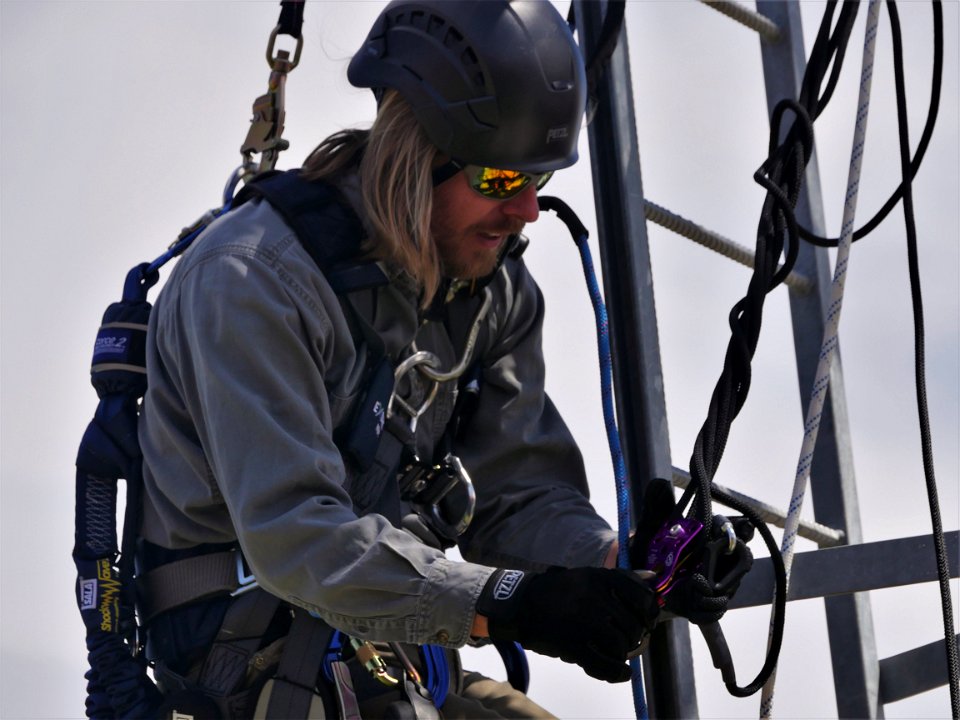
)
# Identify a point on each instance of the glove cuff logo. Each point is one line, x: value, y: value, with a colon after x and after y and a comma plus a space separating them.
x: 507, y: 584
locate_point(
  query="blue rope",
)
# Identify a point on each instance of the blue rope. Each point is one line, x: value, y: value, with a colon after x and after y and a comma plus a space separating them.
x: 613, y: 440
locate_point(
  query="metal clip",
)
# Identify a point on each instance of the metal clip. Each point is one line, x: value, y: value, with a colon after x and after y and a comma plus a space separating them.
x: 457, y: 475
x: 431, y: 370
x: 422, y: 357
x: 727, y: 527
x: 371, y: 660
x: 266, y: 125
x: 282, y: 57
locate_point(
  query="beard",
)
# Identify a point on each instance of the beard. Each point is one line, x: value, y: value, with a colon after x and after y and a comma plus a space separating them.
x: 474, y: 252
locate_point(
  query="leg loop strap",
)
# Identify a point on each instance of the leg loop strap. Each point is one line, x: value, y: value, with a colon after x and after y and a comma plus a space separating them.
x: 295, y: 685
x: 244, y: 625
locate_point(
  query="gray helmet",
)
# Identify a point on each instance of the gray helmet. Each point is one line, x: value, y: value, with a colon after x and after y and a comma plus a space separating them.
x: 498, y: 83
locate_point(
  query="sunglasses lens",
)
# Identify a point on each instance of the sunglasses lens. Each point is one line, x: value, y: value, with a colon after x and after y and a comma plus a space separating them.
x: 543, y: 179
x: 503, y: 184
x: 499, y: 184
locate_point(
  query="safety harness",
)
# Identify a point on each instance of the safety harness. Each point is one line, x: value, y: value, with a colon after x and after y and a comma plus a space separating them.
x: 265, y: 656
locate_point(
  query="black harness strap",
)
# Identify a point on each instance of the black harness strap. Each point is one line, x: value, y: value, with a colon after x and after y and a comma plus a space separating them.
x: 291, y: 18
x: 328, y: 229
x: 332, y: 234
x: 240, y: 636
x: 188, y: 580
x: 300, y: 665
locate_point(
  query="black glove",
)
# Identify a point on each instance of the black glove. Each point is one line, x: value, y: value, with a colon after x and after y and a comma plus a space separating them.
x: 701, y: 591
x: 589, y: 616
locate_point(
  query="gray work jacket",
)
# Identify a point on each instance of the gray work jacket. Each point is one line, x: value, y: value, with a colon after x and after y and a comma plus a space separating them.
x: 251, y: 367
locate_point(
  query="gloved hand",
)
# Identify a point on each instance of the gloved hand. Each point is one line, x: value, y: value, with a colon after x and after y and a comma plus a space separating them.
x: 592, y: 617
x: 702, y: 590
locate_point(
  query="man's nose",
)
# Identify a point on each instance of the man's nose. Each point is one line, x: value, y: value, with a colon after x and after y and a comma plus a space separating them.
x: 523, y: 206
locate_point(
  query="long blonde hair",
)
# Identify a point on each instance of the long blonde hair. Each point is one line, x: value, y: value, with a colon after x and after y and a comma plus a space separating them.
x: 395, y: 161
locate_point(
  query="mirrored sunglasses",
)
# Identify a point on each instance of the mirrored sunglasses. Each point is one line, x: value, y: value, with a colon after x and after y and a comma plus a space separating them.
x: 491, y: 182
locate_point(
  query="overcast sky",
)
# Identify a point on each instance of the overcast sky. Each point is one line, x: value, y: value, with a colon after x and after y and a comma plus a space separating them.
x: 122, y: 120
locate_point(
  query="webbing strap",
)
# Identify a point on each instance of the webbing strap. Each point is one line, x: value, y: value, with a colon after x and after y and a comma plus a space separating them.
x: 185, y: 581
x: 300, y: 665
x: 291, y: 18
x: 328, y: 228
x: 244, y: 626
x: 376, y: 490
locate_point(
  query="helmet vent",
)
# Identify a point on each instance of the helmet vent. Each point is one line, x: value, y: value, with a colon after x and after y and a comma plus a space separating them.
x: 436, y: 26
x: 472, y: 64
x: 452, y: 38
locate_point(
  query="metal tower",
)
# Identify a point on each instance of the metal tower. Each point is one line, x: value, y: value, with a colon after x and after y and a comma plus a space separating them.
x: 843, y: 566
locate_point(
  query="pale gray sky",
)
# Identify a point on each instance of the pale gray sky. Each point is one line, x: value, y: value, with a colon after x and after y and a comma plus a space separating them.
x: 122, y: 120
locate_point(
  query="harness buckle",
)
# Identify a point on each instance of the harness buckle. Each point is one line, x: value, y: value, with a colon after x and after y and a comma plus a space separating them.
x: 245, y: 581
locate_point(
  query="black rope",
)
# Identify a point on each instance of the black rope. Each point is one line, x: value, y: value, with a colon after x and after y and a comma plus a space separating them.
x: 943, y: 569
x: 777, y: 235
x: 606, y: 44
x: 932, y: 111
x: 603, y: 50
x: 779, y: 602
x: 836, y: 49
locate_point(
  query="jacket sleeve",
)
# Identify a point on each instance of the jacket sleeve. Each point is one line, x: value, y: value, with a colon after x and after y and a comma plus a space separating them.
x: 533, y: 507
x: 249, y: 345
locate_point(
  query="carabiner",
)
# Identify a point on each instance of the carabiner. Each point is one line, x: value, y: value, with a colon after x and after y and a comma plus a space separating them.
x: 458, y: 476
x: 368, y: 656
x: 422, y: 357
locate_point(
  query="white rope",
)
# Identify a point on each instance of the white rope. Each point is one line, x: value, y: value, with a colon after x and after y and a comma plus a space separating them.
x: 745, y: 16
x: 829, y: 344
x: 716, y: 242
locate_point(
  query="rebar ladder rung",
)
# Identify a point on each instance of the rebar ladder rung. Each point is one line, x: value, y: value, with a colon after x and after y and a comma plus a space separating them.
x: 763, y: 25
x: 821, y: 534
x: 716, y: 242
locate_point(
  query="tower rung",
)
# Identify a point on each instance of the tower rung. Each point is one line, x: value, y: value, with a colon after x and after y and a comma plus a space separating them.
x: 821, y: 534
x: 763, y: 25
x: 716, y: 242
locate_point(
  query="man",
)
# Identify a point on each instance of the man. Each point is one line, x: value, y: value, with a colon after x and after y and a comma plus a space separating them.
x: 258, y: 372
